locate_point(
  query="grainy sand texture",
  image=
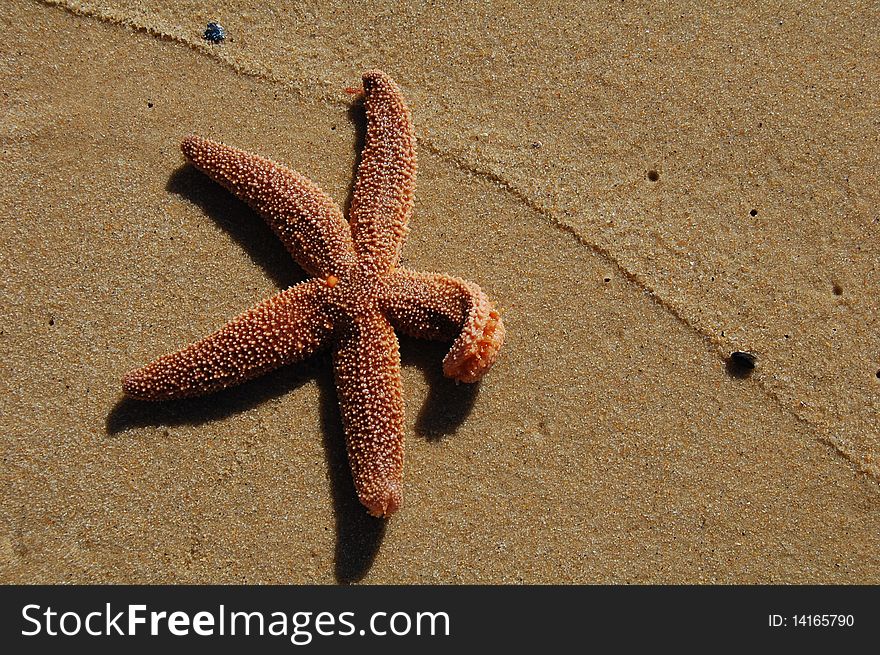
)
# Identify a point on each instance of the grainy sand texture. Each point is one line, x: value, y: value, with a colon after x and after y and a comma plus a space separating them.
x: 642, y: 187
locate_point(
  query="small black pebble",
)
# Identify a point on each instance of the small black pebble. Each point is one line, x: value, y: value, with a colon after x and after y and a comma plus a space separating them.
x: 150, y: 105
x: 51, y: 321
x: 740, y: 364
x: 653, y: 175
x: 754, y: 212
x: 214, y: 33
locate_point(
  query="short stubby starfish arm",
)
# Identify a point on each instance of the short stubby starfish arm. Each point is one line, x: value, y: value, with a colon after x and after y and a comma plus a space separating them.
x: 442, y: 307
x: 382, y: 201
x: 367, y: 366
x: 284, y: 329
x: 308, y: 221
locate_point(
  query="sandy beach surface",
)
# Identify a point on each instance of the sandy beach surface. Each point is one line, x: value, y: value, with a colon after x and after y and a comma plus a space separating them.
x: 642, y: 191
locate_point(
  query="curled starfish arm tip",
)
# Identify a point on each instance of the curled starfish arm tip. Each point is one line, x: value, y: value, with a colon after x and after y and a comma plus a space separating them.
x: 442, y: 307
x: 476, y: 349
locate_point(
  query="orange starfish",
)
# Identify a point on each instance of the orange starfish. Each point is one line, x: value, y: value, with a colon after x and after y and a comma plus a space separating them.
x: 355, y: 299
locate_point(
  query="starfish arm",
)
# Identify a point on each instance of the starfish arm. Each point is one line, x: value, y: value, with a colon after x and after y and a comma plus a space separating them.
x: 306, y: 219
x: 367, y: 367
x: 382, y: 201
x: 284, y: 329
x: 441, y: 307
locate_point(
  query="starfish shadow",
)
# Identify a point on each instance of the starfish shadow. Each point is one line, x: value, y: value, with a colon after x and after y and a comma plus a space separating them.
x: 357, y: 114
x: 240, y: 222
x: 128, y: 414
x: 359, y: 535
x: 448, y: 403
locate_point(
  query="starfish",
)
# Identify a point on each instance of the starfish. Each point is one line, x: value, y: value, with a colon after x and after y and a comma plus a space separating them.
x: 356, y: 297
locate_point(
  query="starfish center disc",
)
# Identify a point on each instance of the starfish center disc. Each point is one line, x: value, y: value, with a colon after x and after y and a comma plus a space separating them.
x: 353, y: 294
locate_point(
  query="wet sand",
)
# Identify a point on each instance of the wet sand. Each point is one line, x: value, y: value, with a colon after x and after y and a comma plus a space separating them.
x: 609, y: 444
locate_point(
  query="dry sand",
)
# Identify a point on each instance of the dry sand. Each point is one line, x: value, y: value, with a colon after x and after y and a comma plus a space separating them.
x: 609, y: 444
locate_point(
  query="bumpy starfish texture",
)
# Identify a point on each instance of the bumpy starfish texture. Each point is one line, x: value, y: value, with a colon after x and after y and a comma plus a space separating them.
x: 356, y: 298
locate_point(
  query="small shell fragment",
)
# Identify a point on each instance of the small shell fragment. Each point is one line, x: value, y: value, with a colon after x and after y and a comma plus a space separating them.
x: 214, y: 33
